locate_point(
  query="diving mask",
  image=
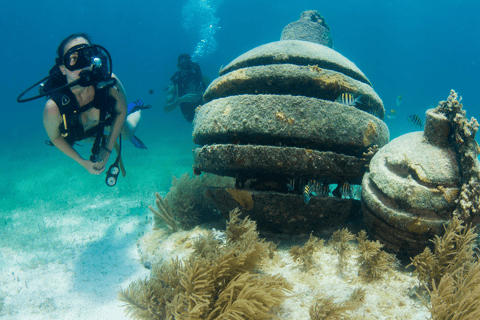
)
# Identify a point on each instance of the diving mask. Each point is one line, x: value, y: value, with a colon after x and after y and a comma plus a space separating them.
x: 80, y: 57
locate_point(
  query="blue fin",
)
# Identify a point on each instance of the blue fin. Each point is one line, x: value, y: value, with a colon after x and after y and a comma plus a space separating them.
x: 137, y: 105
x: 138, y: 143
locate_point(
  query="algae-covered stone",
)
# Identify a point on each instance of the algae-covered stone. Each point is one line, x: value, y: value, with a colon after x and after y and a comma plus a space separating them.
x: 288, y: 120
x: 250, y: 161
x: 297, y: 52
x: 310, y: 27
x: 308, y: 81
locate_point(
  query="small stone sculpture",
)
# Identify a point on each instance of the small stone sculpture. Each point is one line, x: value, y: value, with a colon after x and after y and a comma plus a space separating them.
x: 415, y: 182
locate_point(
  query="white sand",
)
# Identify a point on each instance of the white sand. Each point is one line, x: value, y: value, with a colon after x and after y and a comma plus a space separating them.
x: 70, y: 264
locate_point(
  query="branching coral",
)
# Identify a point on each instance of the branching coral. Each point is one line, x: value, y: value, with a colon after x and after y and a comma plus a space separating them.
x: 189, y: 200
x: 305, y: 253
x: 216, y: 282
x: 457, y: 295
x: 374, y: 262
x: 455, y: 249
x: 326, y: 309
x: 165, y: 213
x: 340, y: 241
x: 462, y: 138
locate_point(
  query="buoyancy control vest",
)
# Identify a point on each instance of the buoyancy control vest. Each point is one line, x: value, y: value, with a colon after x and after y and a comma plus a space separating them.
x: 71, y: 128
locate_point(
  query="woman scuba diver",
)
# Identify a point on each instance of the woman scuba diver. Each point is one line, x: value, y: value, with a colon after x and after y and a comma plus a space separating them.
x: 84, y: 99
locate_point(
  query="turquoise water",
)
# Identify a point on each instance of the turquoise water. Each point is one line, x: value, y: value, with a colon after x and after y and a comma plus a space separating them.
x: 419, y: 50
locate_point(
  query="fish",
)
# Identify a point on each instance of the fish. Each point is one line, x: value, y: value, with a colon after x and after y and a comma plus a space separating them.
x: 307, y: 191
x: 415, y: 120
x: 399, y: 100
x: 357, y: 194
x: 346, y: 190
x: 392, y: 114
x: 291, y: 185
x: 324, y: 189
x: 348, y: 99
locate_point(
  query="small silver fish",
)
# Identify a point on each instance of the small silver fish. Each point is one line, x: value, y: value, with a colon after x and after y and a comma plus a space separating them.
x: 399, y: 100
x: 348, y: 99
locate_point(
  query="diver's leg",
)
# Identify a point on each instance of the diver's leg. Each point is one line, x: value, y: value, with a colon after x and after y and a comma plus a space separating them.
x: 131, y: 124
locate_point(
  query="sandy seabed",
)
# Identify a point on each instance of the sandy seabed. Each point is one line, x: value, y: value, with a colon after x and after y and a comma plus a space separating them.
x: 90, y: 253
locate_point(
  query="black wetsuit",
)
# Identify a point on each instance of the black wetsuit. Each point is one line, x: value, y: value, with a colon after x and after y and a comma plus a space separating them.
x: 183, y: 80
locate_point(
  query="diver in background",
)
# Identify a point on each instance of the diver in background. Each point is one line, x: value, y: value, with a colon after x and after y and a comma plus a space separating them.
x: 187, y: 88
x: 87, y: 101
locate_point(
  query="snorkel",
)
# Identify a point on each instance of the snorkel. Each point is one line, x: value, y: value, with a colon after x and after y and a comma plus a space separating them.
x: 101, y: 74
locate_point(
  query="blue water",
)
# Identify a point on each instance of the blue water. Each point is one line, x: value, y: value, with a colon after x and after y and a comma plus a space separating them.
x: 417, y: 49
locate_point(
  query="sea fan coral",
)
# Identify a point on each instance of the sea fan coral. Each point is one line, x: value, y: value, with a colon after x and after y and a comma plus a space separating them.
x: 374, y: 262
x: 457, y: 295
x: 305, y: 253
x: 326, y: 309
x: 218, y: 281
x: 340, y: 242
x: 453, y: 250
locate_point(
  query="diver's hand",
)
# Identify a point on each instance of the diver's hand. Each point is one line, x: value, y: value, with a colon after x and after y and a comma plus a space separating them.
x: 102, y: 160
x: 189, y: 97
x: 89, y: 165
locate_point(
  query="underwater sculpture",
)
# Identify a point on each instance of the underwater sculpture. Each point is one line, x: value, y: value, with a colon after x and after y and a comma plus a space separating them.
x: 310, y: 27
x: 419, y: 181
x: 274, y: 120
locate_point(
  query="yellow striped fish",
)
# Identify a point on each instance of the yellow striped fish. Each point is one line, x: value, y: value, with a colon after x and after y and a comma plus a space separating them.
x: 348, y: 99
x: 415, y: 120
x: 346, y: 190
x: 307, y: 191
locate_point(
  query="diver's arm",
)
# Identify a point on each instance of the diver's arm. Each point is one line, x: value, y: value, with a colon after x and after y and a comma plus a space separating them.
x: 189, y: 97
x: 52, y: 120
x: 118, y: 93
x: 171, y: 100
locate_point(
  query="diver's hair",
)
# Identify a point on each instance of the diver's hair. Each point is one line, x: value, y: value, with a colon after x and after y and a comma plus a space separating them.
x: 69, y: 38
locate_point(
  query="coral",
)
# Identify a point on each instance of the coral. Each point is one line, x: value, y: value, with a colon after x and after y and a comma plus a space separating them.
x: 189, y: 201
x: 462, y: 138
x: 147, y: 299
x: 218, y: 281
x: 457, y: 295
x: 374, y: 262
x: 455, y: 249
x: 340, y: 242
x: 165, y: 213
x: 206, y: 247
x: 305, y: 253
x: 326, y: 309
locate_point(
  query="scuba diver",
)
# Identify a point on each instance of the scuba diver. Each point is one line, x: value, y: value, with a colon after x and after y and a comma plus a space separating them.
x: 187, y: 88
x: 84, y: 99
